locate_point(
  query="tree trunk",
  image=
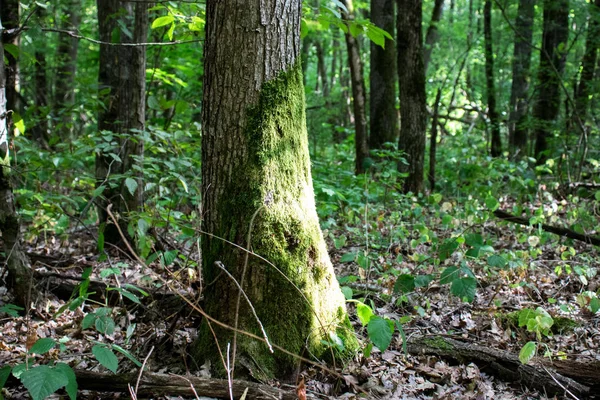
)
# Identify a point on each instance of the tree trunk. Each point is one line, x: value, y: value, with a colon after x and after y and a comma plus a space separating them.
x: 122, y: 84
x: 432, y: 35
x: 66, y: 61
x: 588, y: 63
x: 17, y: 262
x: 358, y: 94
x: 411, y: 76
x: 321, y: 69
x: 552, y: 64
x: 496, y: 146
x: 518, y: 114
x: 258, y: 193
x: 39, y: 131
x: 433, y: 138
x: 384, y: 117
x: 9, y: 12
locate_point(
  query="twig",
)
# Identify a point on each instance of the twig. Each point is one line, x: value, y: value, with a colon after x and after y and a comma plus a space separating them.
x: 560, y: 384
x: 137, y: 384
x: 229, y: 373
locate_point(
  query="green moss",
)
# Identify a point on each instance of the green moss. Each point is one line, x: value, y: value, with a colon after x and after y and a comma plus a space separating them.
x: 438, y: 343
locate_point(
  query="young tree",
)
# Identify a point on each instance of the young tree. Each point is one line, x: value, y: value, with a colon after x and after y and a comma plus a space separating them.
x: 552, y: 63
x: 411, y: 76
x: 122, y: 84
x: 17, y: 262
x: 9, y: 12
x: 383, y: 113
x: 359, y: 99
x: 431, y: 37
x: 258, y: 194
x: 518, y: 106
x: 496, y: 147
x: 589, y: 61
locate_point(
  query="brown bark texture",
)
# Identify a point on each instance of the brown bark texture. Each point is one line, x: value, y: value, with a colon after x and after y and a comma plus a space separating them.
x: 519, y: 105
x: 359, y: 100
x: 9, y: 12
x: 383, y: 75
x: 552, y: 63
x: 432, y: 35
x: 411, y: 78
x: 496, y: 145
x: 588, y: 63
x: 122, y: 85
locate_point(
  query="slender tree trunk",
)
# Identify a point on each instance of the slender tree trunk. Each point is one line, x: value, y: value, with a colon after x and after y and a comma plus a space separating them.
x: 588, y: 63
x: 322, y: 71
x: 358, y: 94
x: 66, y: 61
x: 305, y: 53
x: 9, y: 12
x: 518, y: 115
x: 122, y: 84
x: 39, y: 131
x: 432, y: 35
x: 383, y: 75
x: 552, y: 63
x: 433, y: 139
x: 411, y: 76
x: 17, y: 263
x: 258, y: 193
x: 496, y: 147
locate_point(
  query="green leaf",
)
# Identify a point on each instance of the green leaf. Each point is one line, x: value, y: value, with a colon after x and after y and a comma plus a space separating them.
x: 491, y: 203
x: 71, y: 386
x: 11, y: 309
x: 98, y: 191
x: 42, y: 381
x: 169, y: 257
x: 594, y: 305
x: 525, y: 315
x: 496, y: 261
x: 106, y: 357
x: 367, y: 350
x: 527, y: 352
x: 303, y: 28
x: 170, y: 32
x: 376, y: 37
x: 423, y: 280
x: 127, y: 294
x: 347, y: 292
x: 403, y: 336
x: 355, y: 28
x: 127, y: 354
x: 449, y: 275
x: 42, y: 346
x: 131, y: 185
x: 105, y: 325
x: 474, y: 239
x: 88, y: 321
x: 364, y: 313
x: 464, y: 288
x: 348, y: 257
x: 404, y: 283
x: 380, y: 332
x: 4, y: 374
x: 12, y: 49
x: 162, y: 21
x: 18, y: 121
x: 447, y: 248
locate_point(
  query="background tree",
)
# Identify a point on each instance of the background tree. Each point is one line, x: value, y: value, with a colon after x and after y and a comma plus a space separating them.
x: 411, y: 78
x: 519, y: 104
x: 383, y: 75
x: 9, y: 12
x: 122, y: 83
x: 588, y: 62
x: 496, y: 145
x: 552, y: 64
x: 258, y: 193
x: 432, y: 35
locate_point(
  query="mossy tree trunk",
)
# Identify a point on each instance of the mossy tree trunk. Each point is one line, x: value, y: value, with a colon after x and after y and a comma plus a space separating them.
x: 257, y: 186
x: 552, y: 64
x: 496, y: 143
x: 411, y: 78
x: 122, y: 85
x: 519, y: 104
x: 383, y: 76
x: 17, y: 262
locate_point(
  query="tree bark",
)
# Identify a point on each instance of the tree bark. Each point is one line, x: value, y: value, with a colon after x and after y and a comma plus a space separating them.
x: 122, y: 84
x: 588, y: 63
x: 17, y: 263
x: 39, y: 131
x: 496, y: 145
x: 258, y: 194
x: 321, y: 69
x: 432, y: 35
x: 9, y: 12
x: 358, y: 93
x: 411, y: 78
x: 383, y: 75
x: 433, y: 138
x: 66, y: 60
x: 552, y: 63
x: 518, y: 115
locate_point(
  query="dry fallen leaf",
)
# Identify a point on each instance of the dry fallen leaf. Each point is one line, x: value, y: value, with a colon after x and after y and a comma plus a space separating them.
x: 301, y: 389
x: 32, y: 337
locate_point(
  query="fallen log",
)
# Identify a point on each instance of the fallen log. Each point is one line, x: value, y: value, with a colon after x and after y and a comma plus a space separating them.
x: 155, y: 385
x: 549, y: 228
x: 553, y: 378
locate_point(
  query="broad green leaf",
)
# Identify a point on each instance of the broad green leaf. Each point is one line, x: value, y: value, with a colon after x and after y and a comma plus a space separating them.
x: 131, y: 185
x: 403, y: 336
x: 11, y: 310
x: 170, y: 32
x: 42, y: 346
x: 127, y: 294
x: 404, y: 283
x: 380, y: 332
x: 449, y: 275
x: 594, y: 305
x: 106, y: 357
x: 347, y: 292
x: 525, y: 315
x: 355, y: 28
x: 71, y: 386
x: 474, y: 239
x: 4, y: 374
x: 88, y: 321
x: 491, y: 203
x: 303, y: 28
x: 376, y: 37
x: 464, y: 288
x: 423, y: 280
x: 169, y: 257
x: 105, y: 325
x: 348, y: 257
x: 496, y: 261
x: 364, y: 313
x: 127, y: 354
x: 527, y: 352
x: 42, y: 381
x: 18, y: 122
x: 447, y: 248
x: 367, y: 350
x: 162, y: 21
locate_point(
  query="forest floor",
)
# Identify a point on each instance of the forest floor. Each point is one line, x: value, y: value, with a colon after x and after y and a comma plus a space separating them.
x: 162, y: 329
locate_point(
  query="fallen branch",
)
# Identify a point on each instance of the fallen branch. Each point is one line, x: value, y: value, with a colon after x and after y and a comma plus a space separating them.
x: 549, y: 228
x: 577, y: 377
